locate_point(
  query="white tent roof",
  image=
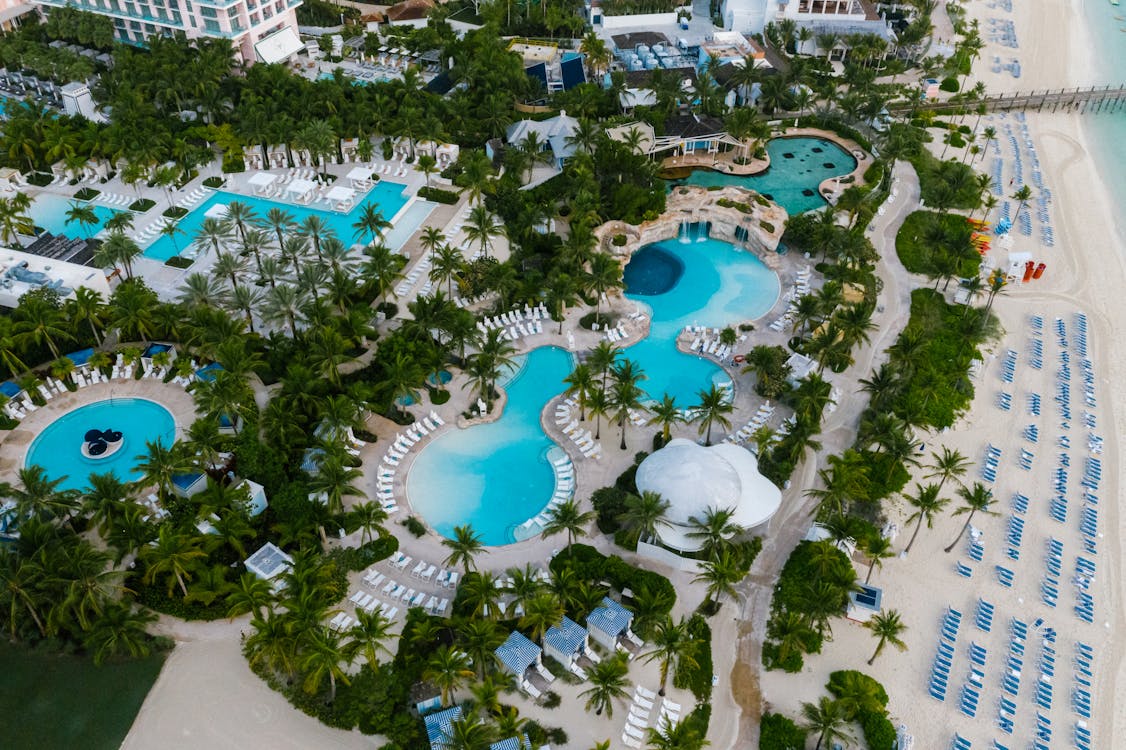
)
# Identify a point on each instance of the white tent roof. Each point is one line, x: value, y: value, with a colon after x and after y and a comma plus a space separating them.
x: 359, y: 173
x: 694, y: 479
x: 218, y: 211
x: 279, y: 46
x: 300, y: 187
x: 340, y: 193
x: 262, y: 179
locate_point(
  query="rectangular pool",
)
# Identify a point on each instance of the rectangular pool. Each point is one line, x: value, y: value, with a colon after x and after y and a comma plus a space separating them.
x: 388, y: 196
x: 49, y: 212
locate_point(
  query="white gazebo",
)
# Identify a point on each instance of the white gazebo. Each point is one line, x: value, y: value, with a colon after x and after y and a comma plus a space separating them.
x: 341, y: 198
x: 300, y: 191
x: 261, y: 182
x: 360, y: 177
x: 694, y: 479
x: 269, y: 561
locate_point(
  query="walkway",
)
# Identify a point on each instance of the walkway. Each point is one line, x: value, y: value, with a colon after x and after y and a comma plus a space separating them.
x: 789, y: 526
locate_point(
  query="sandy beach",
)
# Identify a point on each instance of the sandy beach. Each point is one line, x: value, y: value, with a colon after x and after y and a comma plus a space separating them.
x: 1084, y: 274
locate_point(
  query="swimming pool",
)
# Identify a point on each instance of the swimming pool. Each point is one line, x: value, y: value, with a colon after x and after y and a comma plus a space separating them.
x: 387, y: 195
x: 797, y: 167
x: 58, y: 448
x: 494, y: 476
x: 49, y: 212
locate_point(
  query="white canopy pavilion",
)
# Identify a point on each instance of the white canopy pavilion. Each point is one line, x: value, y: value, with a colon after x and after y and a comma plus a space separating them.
x: 360, y: 177
x: 300, y: 190
x: 340, y: 197
x: 260, y: 182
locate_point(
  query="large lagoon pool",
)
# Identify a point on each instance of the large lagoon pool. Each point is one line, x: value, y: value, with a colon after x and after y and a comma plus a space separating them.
x: 797, y: 167
x: 58, y: 448
x: 387, y: 195
x: 496, y: 476
x: 49, y: 212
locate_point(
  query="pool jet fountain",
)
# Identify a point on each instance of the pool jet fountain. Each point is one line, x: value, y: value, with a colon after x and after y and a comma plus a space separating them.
x: 101, y: 443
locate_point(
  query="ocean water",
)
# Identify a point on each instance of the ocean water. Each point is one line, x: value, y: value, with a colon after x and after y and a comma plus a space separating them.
x: 1107, y: 25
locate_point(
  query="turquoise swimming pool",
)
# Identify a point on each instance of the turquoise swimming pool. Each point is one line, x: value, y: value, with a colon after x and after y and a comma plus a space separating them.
x: 59, y: 448
x: 387, y: 195
x: 49, y: 212
x: 494, y: 476
x: 797, y: 167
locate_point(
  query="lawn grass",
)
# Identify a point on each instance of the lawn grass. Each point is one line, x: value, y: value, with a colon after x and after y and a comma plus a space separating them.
x: 66, y: 702
x: 920, y: 254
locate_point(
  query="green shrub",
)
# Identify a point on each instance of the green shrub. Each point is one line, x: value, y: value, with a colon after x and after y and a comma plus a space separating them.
x: 778, y: 732
x: 591, y: 565
x: 40, y: 179
x: 697, y: 676
x: 949, y: 84
x: 414, y: 526
x: 603, y: 319
x: 738, y: 206
x: 142, y: 205
x: 609, y: 504
x: 438, y: 195
x: 233, y: 162
x: 179, y: 261
x: 214, y: 182
x: 878, y: 729
x: 766, y: 225
x: 358, y: 558
x: 949, y: 182
x: 175, y: 212
x: 619, y: 240
x: 87, y: 194
x: 439, y: 397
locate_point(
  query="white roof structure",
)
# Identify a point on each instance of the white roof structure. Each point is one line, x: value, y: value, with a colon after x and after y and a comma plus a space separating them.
x: 300, y: 189
x: 695, y: 479
x: 359, y: 177
x: 554, y: 132
x: 261, y: 180
x: 269, y: 561
x: 21, y: 272
x: 279, y: 46
x: 340, y: 193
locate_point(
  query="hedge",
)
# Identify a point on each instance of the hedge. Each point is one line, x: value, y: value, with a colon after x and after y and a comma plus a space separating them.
x: 358, y: 558
x: 438, y: 195
x: 609, y: 504
x: 698, y: 677
x: 777, y: 732
x: 591, y: 565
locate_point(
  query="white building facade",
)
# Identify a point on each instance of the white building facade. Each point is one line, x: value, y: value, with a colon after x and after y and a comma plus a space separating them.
x: 245, y: 22
x: 752, y: 16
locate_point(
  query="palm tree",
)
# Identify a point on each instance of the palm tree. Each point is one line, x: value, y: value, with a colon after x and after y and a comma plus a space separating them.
x: 927, y: 505
x: 369, y: 635
x: 602, y: 358
x: 975, y: 499
x: 371, y: 222
x: 481, y: 592
x: 120, y: 629
x: 448, y: 670
x: 714, y: 530
x: 720, y: 573
x: 950, y: 464
x: 607, y: 683
x: 14, y: 220
x: 826, y: 719
x: 567, y: 518
x: 174, y: 554
x: 604, y: 276
x: 159, y: 464
x: 675, y: 736
x: 877, y: 549
x: 665, y: 413
x: 468, y: 733
x: 334, y: 481
x: 713, y: 408
x: 368, y: 516
x: 644, y: 513
x: 598, y: 406
x: 1022, y: 195
x: 82, y: 214
x: 580, y: 384
x: 541, y: 612
x: 886, y: 627
x: 251, y: 594
x: 447, y: 263
x: 481, y: 228
x: 673, y: 646
x: 464, y: 547
x: 322, y: 654
x: 479, y: 639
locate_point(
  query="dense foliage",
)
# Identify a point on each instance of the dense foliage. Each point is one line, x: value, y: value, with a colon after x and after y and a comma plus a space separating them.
x: 695, y: 674
x: 938, y: 245
x: 778, y: 732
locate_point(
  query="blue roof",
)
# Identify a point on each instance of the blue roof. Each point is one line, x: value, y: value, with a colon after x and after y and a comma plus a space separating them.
x: 154, y: 349
x: 439, y: 726
x: 311, y: 461
x: 611, y: 618
x: 10, y: 389
x: 566, y: 637
x: 518, y: 653
x: 513, y: 743
x: 80, y: 357
x: 208, y: 373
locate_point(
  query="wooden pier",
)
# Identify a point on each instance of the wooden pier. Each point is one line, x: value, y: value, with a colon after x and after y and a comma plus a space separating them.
x: 1081, y: 99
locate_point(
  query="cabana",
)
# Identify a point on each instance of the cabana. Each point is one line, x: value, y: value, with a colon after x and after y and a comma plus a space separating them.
x: 300, y: 190
x: 256, y: 501
x: 269, y: 561
x: 80, y: 358
x: 609, y: 624
x: 440, y: 726
x: 513, y: 743
x: 566, y: 642
x: 261, y: 182
x: 520, y: 657
x: 341, y: 198
x: 360, y: 177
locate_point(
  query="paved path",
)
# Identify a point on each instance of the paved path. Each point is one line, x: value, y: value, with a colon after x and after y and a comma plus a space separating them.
x: 789, y: 526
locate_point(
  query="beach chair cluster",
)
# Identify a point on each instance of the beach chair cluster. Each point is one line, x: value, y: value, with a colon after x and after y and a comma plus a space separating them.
x: 797, y: 291
x: 1081, y: 698
x: 983, y: 618
x: 944, y: 658
x: 1036, y: 352
x: 744, y: 433
x: 412, y: 277
x: 1042, y: 689
x: 641, y: 708
x: 116, y: 200
x: 1004, y: 401
x: 617, y: 333
x: 1026, y: 456
x: 1014, y: 536
x: 1053, y: 569
x: 152, y: 508
x: 1043, y: 192
x: 400, y: 447
x: 971, y: 691
x: 960, y: 743
x: 1009, y: 366
x: 1005, y: 576
x: 991, y: 462
x: 564, y: 472
x: 369, y: 603
x: 412, y: 596
x: 516, y: 324
x: 569, y: 424
x: 1083, y: 578
x: 707, y: 341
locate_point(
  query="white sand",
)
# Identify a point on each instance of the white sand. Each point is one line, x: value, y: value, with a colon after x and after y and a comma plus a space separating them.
x: 1085, y: 273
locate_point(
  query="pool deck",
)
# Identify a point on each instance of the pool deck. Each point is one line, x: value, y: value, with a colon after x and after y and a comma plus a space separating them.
x: 15, y: 444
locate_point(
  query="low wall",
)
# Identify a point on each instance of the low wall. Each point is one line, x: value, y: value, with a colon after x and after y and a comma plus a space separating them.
x: 645, y: 19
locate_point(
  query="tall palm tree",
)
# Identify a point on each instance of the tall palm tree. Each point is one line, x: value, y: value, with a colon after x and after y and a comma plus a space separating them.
x: 174, y: 554
x: 468, y: 733
x: 82, y: 214
x: 827, y: 720
x: 446, y: 264
x: 877, y: 549
x: 927, y: 504
x: 975, y: 499
x: 334, y: 481
x: 675, y: 736
x: 607, y: 683
x: 479, y: 639
x: 580, y: 384
x: 370, y: 635
x: 371, y: 222
x: 448, y: 670
x: 714, y: 530
x: 886, y: 627
x: 602, y: 358
x: 14, y: 220
x: 720, y: 574
x: 323, y: 654
x: 605, y: 275
x: 369, y: 517
x: 464, y: 547
x: 481, y: 228
x: 120, y: 629
x: 251, y: 594
x: 159, y: 464
x: 665, y: 413
x: 673, y: 646
x: 644, y: 513
x: 568, y: 518
x: 713, y: 408
x: 949, y: 464
x: 542, y: 611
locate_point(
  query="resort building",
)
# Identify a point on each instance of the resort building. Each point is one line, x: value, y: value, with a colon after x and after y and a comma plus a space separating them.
x: 522, y: 659
x: 553, y: 134
x: 269, y: 562
x: 21, y: 272
x: 259, y: 30
x: 822, y: 16
x: 609, y: 625
x: 12, y: 13
x: 568, y: 642
x: 694, y: 479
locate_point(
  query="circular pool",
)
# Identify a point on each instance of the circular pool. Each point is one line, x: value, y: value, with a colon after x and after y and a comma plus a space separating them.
x: 63, y: 449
